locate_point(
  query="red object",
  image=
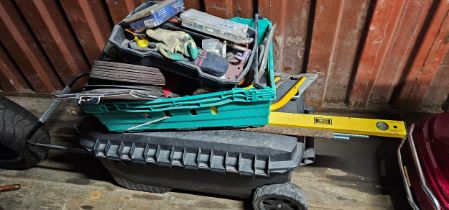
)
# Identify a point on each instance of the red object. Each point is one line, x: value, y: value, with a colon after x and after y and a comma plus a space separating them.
x: 427, y: 154
x: 12, y: 187
x: 432, y: 144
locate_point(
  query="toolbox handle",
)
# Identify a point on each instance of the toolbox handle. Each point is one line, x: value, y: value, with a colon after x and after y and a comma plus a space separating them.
x: 304, y: 82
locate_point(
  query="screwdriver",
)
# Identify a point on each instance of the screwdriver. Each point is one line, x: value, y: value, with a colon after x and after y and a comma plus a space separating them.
x: 11, y: 187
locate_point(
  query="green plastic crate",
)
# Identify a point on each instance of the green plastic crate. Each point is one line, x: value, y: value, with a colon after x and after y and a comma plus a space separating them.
x: 238, y: 107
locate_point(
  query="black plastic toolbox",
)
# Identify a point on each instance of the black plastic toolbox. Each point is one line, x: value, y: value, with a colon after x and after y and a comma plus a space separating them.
x: 226, y: 162
x: 117, y: 50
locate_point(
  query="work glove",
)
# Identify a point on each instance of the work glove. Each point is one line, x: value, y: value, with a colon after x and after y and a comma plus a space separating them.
x: 174, y: 44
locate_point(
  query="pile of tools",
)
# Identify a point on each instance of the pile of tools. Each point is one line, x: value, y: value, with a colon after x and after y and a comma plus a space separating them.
x: 161, y: 51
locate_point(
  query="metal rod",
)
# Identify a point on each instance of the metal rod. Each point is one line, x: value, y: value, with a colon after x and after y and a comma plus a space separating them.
x: 405, y: 177
x: 256, y: 55
x: 265, y: 58
x: 148, y: 123
x: 419, y: 169
x: 347, y: 136
x: 60, y: 147
x: 44, y: 117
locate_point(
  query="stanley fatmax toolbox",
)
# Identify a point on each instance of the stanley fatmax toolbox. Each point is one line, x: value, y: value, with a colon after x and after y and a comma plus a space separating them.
x: 226, y: 162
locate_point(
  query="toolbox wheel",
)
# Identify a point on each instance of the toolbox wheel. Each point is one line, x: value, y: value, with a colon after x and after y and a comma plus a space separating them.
x: 15, y: 124
x: 279, y: 196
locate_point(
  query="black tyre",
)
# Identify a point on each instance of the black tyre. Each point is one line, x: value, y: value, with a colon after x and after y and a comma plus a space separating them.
x: 286, y: 196
x: 15, y: 123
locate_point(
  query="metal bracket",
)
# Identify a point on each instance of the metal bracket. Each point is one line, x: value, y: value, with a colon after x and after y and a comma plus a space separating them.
x: 46, y: 115
x: 345, y: 136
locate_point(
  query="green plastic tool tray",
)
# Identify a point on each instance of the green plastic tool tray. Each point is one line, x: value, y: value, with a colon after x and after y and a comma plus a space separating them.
x: 238, y: 107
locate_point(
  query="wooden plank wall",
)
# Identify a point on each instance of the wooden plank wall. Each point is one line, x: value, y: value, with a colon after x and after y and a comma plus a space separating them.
x: 369, y: 54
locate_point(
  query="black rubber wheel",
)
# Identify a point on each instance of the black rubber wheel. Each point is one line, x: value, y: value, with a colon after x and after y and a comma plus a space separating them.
x: 15, y: 123
x: 286, y: 196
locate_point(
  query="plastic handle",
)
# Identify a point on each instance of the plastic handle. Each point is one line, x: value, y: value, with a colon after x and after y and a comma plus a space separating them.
x: 288, y: 96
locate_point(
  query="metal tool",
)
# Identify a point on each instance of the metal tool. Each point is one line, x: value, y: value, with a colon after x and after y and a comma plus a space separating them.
x: 122, y: 72
x: 342, y: 127
x: 237, y: 63
x: 267, y: 44
x: 44, y: 117
x: 151, y: 14
x: 96, y: 95
x: 148, y: 123
x: 135, y: 34
x: 339, y: 124
x: 256, y: 52
x: 134, y: 87
x: 215, y: 26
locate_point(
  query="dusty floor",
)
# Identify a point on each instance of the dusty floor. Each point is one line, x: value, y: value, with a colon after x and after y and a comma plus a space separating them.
x: 354, y: 174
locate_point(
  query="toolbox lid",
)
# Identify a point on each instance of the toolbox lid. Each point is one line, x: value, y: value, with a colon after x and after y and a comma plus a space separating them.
x: 226, y: 151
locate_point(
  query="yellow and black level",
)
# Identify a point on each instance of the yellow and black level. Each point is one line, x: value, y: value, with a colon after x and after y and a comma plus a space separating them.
x: 339, y: 124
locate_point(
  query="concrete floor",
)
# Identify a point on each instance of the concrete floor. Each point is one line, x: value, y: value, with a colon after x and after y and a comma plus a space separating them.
x: 354, y: 174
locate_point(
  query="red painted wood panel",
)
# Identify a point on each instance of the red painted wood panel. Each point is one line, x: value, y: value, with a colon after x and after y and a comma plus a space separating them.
x: 325, y: 25
x: 393, y: 34
x: 195, y: 4
x: 119, y: 9
x: 243, y: 8
x: 91, y: 25
x: 438, y: 92
x: 50, y: 27
x: 430, y: 54
x: 291, y: 32
x: 11, y: 80
x: 19, y: 41
x: 220, y: 8
x: 351, y: 21
x: 404, y: 39
x: 230, y: 8
x: 379, y: 33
